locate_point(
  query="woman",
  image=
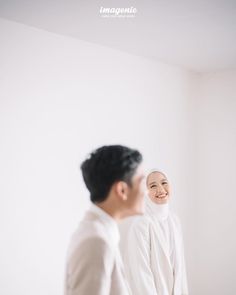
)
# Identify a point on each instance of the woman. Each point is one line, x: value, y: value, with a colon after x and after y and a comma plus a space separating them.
x: 154, y: 256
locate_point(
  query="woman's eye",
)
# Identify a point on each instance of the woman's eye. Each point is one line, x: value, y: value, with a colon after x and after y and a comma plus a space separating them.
x: 153, y: 186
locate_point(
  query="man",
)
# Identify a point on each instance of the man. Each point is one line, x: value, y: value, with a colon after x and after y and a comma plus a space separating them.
x: 115, y: 180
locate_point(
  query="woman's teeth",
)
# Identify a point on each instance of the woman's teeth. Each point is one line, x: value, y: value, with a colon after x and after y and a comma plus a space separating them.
x: 161, y: 196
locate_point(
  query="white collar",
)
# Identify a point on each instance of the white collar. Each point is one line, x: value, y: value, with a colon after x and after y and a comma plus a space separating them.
x: 108, y: 221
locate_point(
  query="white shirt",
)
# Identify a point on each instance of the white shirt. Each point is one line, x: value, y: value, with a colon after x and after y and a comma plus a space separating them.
x: 109, y: 223
x: 94, y: 266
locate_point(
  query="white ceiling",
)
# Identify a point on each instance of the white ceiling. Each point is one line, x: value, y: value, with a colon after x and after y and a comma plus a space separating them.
x: 199, y: 35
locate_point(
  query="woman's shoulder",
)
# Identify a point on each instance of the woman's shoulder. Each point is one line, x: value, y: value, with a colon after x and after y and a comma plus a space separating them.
x: 174, y: 216
x: 176, y: 220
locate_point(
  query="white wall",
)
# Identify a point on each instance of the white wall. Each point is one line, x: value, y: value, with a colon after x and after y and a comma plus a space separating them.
x: 214, y: 185
x: 59, y: 98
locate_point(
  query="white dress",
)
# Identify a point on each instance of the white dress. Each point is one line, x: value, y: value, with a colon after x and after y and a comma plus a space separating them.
x: 153, y: 254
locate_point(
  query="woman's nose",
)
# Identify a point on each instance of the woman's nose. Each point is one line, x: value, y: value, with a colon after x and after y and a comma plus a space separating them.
x: 160, y: 189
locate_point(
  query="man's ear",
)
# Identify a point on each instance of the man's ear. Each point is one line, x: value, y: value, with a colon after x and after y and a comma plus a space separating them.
x: 121, y: 189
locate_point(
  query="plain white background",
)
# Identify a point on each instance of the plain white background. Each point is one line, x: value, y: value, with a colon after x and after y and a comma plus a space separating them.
x: 59, y: 99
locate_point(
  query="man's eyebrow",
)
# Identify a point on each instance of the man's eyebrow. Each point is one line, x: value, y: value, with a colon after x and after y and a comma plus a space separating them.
x: 152, y: 182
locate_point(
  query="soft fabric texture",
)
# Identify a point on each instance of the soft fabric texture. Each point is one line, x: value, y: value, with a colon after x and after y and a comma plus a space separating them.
x: 94, y: 265
x: 153, y: 253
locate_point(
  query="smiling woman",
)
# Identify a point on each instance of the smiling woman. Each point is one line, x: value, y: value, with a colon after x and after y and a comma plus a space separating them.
x: 158, y: 187
x: 154, y: 256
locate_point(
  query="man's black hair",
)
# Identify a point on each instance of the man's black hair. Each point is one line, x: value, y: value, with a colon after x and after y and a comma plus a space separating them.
x: 105, y: 166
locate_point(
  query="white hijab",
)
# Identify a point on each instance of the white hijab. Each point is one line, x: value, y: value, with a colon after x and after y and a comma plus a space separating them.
x: 159, y: 211
x: 161, y: 214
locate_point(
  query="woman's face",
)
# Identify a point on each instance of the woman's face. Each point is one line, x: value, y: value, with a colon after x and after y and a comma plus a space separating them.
x: 158, y: 187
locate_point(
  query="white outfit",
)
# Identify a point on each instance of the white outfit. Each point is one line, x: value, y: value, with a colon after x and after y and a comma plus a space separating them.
x: 94, y: 265
x: 153, y: 253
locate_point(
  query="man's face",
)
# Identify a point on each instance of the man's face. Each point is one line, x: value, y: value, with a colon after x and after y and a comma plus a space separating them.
x: 158, y: 188
x: 136, y: 191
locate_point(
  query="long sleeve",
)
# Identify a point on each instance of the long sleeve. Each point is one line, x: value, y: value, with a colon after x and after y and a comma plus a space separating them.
x: 184, y: 287
x: 180, y: 282
x: 89, y: 268
x: 137, y: 262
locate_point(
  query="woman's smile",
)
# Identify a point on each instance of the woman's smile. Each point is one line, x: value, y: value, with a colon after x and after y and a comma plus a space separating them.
x: 162, y: 196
